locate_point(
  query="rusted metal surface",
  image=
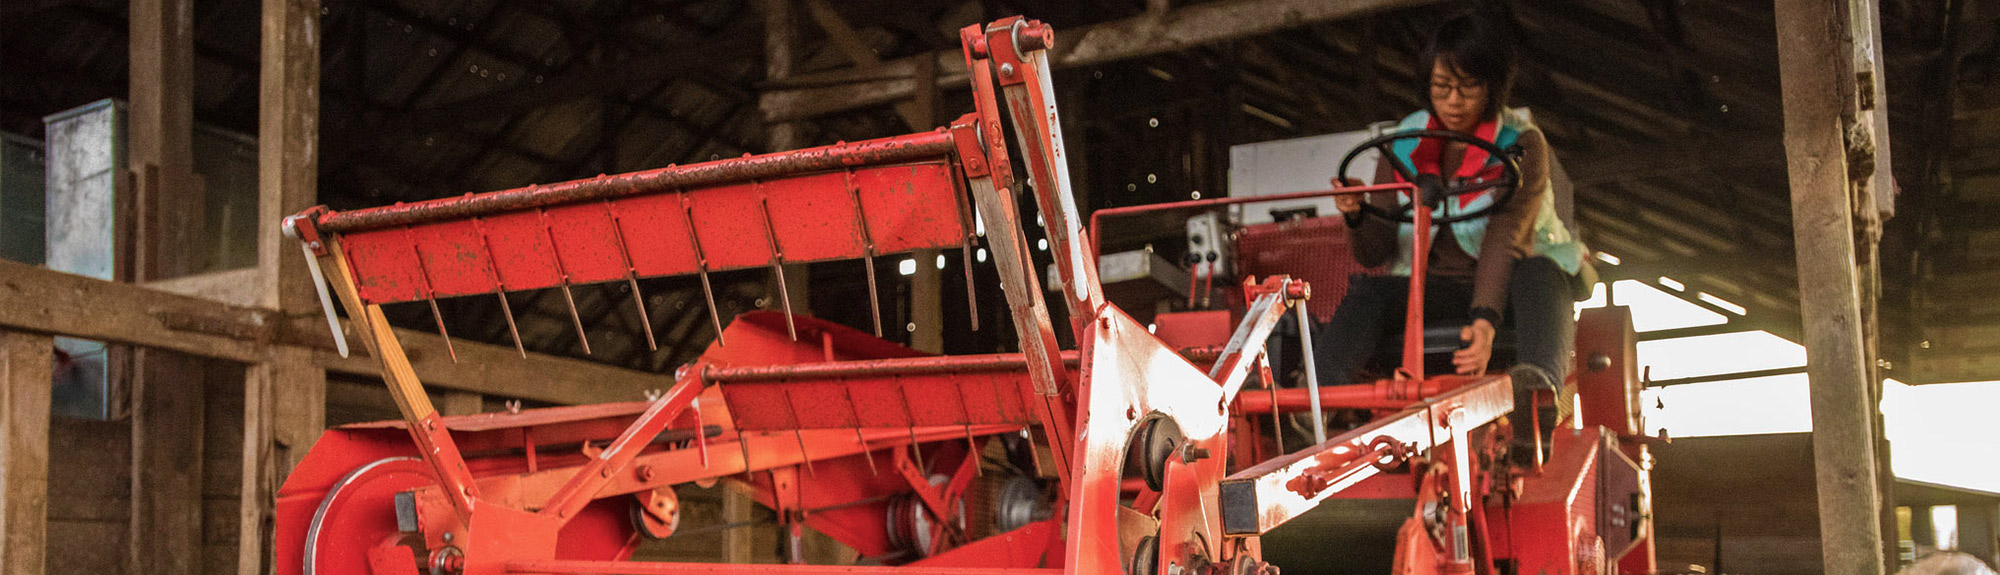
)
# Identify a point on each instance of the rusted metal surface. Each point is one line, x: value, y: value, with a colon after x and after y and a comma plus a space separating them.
x: 925, y: 146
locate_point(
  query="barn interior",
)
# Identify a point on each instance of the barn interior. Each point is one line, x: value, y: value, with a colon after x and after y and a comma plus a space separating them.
x: 167, y: 363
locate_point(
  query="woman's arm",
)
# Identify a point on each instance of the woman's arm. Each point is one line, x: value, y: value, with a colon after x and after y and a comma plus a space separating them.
x: 1510, y: 229
x: 1374, y: 239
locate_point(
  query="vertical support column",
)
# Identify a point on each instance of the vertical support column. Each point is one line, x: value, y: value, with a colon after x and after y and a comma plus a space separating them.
x: 161, y: 151
x: 24, y: 452
x: 1922, y: 532
x: 166, y: 392
x: 927, y: 286
x: 284, y: 398
x: 167, y: 463
x: 1978, y: 526
x: 1816, y: 64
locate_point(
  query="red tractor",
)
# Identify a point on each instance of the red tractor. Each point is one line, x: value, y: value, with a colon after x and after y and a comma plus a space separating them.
x: 1125, y: 454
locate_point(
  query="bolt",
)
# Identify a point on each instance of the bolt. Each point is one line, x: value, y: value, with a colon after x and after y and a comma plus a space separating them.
x: 447, y: 537
x: 647, y: 473
x: 1191, y: 454
x: 1131, y: 412
x: 1007, y: 70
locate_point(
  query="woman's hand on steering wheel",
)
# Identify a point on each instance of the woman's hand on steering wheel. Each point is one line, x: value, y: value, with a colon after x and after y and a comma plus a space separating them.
x: 1348, y: 204
x: 1434, y: 189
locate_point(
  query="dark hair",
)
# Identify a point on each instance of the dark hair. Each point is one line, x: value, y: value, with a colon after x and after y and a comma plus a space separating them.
x: 1477, y: 49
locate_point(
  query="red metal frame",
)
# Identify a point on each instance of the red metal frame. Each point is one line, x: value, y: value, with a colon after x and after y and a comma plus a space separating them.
x: 873, y: 444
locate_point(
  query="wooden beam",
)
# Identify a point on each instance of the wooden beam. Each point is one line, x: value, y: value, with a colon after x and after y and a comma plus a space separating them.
x: 25, y: 378
x: 499, y: 370
x: 1816, y: 66
x: 819, y: 94
x: 56, y: 303
x: 461, y: 403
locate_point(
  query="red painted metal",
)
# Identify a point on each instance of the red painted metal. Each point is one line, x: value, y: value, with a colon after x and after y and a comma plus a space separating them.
x: 651, y: 224
x: 597, y: 568
x: 881, y: 447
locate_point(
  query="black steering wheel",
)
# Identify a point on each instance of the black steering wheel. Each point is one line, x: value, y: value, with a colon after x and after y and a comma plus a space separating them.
x: 1432, y: 187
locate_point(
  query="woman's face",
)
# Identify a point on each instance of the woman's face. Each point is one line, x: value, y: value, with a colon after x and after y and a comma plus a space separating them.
x: 1460, y: 102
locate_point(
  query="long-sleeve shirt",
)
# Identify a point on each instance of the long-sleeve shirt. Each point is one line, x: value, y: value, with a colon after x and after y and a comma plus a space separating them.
x: 1509, y: 228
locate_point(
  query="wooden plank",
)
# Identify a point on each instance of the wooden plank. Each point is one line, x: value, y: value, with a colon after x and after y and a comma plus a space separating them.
x: 461, y: 403
x: 25, y: 361
x: 1816, y: 64
x: 1202, y: 24
x: 167, y: 428
x: 498, y: 370
x: 56, y: 303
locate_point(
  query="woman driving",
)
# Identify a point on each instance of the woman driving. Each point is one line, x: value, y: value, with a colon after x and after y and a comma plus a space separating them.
x: 1496, y: 255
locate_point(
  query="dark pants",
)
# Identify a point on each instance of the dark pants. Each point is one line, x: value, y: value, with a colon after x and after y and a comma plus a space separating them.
x: 1539, y: 308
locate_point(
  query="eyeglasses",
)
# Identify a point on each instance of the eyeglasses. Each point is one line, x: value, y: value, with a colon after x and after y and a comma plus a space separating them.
x: 1467, y: 90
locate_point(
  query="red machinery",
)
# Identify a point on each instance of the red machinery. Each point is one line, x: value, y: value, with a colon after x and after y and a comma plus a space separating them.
x: 1157, y: 461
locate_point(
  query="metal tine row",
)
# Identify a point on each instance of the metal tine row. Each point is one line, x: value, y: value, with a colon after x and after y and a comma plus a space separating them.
x: 966, y: 218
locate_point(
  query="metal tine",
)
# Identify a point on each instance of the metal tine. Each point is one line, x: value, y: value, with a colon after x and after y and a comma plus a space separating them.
x: 970, y: 221
x: 915, y: 447
x: 430, y: 295
x: 971, y: 291
x: 971, y: 445
x: 568, y: 298
x: 859, y: 439
x: 701, y: 264
x: 700, y: 437
x: 868, y: 249
x: 499, y: 287
x: 507, y: 311
x: 574, y: 319
x: 777, y: 262
x: 796, y: 433
x: 632, y: 277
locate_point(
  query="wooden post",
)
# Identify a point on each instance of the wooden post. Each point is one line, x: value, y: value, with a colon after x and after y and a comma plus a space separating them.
x: 284, y: 397
x: 167, y: 396
x: 161, y: 150
x: 167, y: 463
x: 927, y: 286
x: 24, y: 451
x: 1816, y: 65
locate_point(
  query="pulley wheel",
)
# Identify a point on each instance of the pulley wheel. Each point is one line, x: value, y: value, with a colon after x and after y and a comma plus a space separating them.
x: 358, y: 512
